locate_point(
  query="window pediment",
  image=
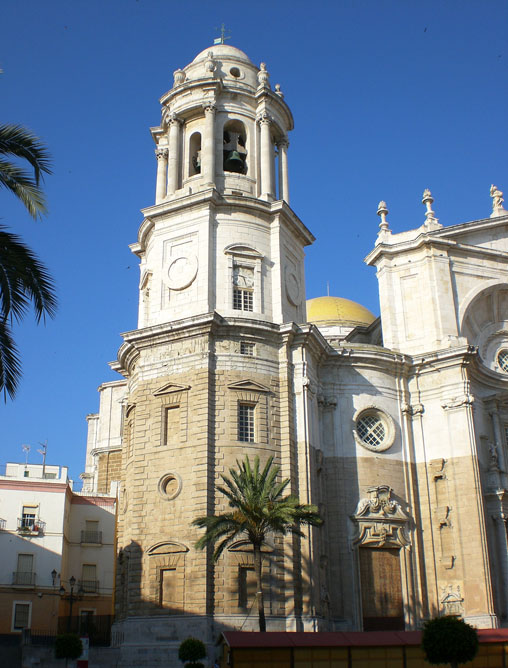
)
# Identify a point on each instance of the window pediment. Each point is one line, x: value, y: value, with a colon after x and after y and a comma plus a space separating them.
x: 170, y: 388
x: 243, y: 250
x: 246, y: 546
x: 248, y: 385
x: 166, y: 547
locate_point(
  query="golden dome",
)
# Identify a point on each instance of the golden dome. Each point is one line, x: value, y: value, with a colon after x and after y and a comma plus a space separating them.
x: 337, y: 311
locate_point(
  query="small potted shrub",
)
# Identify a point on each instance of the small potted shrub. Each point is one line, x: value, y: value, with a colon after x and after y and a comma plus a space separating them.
x: 450, y: 640
x: 68, y: 646
x: 190, y: 651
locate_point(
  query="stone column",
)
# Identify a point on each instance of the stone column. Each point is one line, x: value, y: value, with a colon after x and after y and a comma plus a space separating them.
x: 283, y: 145
x: 162, y: 167
x: 174, y: 153
x: 266, y: 156
x: 208, y: 147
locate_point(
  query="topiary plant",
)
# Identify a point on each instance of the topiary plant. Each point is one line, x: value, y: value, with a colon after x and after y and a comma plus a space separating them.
x: 190, y: 651
x: 449, y: 640
x: 68, y: 646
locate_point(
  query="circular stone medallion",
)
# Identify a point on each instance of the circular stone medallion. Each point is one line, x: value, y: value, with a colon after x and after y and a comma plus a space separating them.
x: 181, y: 271
x: 169, y: 486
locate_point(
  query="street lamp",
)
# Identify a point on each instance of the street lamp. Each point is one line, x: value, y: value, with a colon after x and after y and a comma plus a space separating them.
x: 72, y: 598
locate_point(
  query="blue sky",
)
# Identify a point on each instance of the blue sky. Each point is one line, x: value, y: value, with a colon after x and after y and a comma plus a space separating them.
x: 389, y: 97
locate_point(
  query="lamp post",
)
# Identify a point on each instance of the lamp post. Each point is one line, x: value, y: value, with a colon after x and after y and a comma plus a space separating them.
x: 72, y: 598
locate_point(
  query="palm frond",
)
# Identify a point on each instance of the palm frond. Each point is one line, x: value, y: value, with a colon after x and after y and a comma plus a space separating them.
x: 10, y: 366
x: 23, y: 280
x: 22, y: 184
x: 22, y: 143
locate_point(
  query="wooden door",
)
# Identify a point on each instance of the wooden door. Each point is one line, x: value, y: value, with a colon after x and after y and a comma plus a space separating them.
x: 381, y: 586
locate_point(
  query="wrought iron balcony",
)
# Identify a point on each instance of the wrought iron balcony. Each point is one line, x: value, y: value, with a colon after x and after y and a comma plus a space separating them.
x: 31, y: 525
x: 23, y: 578
x: 94, y: 537
x: 89, y: 586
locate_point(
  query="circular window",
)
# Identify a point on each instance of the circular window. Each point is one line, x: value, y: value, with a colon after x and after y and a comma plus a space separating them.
x: 169, y: 486
x: 502, y: 360
x: 374, y: 429
x: 235, y: 72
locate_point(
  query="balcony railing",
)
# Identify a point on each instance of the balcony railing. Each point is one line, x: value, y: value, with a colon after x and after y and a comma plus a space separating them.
x: 94, y: 537
x: 23, y: 578
x: 3, y: 524
x: 89, y: 586
x: 30, y: 525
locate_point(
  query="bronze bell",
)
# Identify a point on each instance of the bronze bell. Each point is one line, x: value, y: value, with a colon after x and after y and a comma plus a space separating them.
x: 233, y: 162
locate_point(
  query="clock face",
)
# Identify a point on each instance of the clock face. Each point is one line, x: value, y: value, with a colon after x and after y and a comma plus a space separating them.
x: 243, y: 277
x: 181, y: 271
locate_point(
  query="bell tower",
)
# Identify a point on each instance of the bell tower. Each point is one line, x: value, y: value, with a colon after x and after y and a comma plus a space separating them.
x: 221, y: 236
x: 207, y: 370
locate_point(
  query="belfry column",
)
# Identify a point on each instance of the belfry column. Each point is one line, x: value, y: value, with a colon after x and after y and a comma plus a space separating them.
x: 174, y: 153
x: 266, y: 156
x: 162, y: 168
x: 208, y: 150
x: 283, y: 146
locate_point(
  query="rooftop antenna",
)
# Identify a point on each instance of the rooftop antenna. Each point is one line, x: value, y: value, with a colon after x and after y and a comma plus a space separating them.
x: 327, y: 288
x: 42, y: 452
x: 26, y: 449
x: 223, y: 37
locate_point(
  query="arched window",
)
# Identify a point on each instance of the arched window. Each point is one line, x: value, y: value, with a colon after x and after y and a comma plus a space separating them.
x: 234, y: 150
x: 195, y: 154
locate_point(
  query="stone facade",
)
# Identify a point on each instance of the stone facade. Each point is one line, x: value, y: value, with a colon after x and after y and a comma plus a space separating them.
x: 395, y: 427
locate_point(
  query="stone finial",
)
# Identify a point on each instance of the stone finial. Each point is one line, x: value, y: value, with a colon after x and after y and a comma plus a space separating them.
x: 430, y: 218
x: 210, y: 64
x: 382, y: 212
x: 278, y: 91
x: 263, y: 76
x: 497, y: 202
x: 179, y: 76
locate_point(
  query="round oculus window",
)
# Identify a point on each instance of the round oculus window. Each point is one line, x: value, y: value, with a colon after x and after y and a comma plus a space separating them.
x: 169, y: 486
x: 235, y: 72
x: 502, y: 360
x: 374, y: 430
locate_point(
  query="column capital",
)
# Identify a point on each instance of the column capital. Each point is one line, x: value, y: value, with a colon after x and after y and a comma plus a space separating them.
x: 209, y: 107
x: 282, y: 143
x: 173, y: 119
x: 161, y: 153
x: 264, y: 118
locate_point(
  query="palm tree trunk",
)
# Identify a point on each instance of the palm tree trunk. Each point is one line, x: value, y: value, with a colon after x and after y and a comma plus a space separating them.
x: 259, y: 583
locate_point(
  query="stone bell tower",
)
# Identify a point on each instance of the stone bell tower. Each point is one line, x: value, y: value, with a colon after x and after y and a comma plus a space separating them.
x: 208, y: 380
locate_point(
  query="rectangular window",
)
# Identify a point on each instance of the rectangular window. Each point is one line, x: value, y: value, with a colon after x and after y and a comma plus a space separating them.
x: 24, y: 574
x: 172, y: 425
x: 243, y: 300
x: 91, y: 534
x: 246, y: 348
x: 28, y: 517
x: 89, y: 582
x: 86, y: 621
x: 246, y: 423
x: 246, y: 586
x: 21, y: 616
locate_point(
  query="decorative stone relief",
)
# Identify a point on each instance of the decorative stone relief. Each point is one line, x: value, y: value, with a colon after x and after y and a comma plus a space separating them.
x: 451, y: 600
x: 380, y: 520
x: 327, y: 401
x: 263, y: 76
x: 413, y: 410
x: 458, y: 402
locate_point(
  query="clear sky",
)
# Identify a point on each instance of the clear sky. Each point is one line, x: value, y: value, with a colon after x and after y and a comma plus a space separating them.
x: 389, y: 97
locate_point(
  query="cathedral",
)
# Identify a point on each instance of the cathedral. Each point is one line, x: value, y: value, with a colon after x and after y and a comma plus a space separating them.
x: 396, y: 426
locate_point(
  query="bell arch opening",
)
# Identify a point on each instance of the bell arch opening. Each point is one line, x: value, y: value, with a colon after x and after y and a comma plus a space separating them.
x: 234, y: 147
x: 195, y: 154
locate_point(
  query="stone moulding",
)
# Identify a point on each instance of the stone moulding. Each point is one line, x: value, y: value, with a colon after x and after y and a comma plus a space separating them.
x: 380, y: 521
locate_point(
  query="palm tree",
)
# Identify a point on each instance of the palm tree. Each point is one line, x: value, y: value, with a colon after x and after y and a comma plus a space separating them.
x: 259, y: 507
x: 23, y: 278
